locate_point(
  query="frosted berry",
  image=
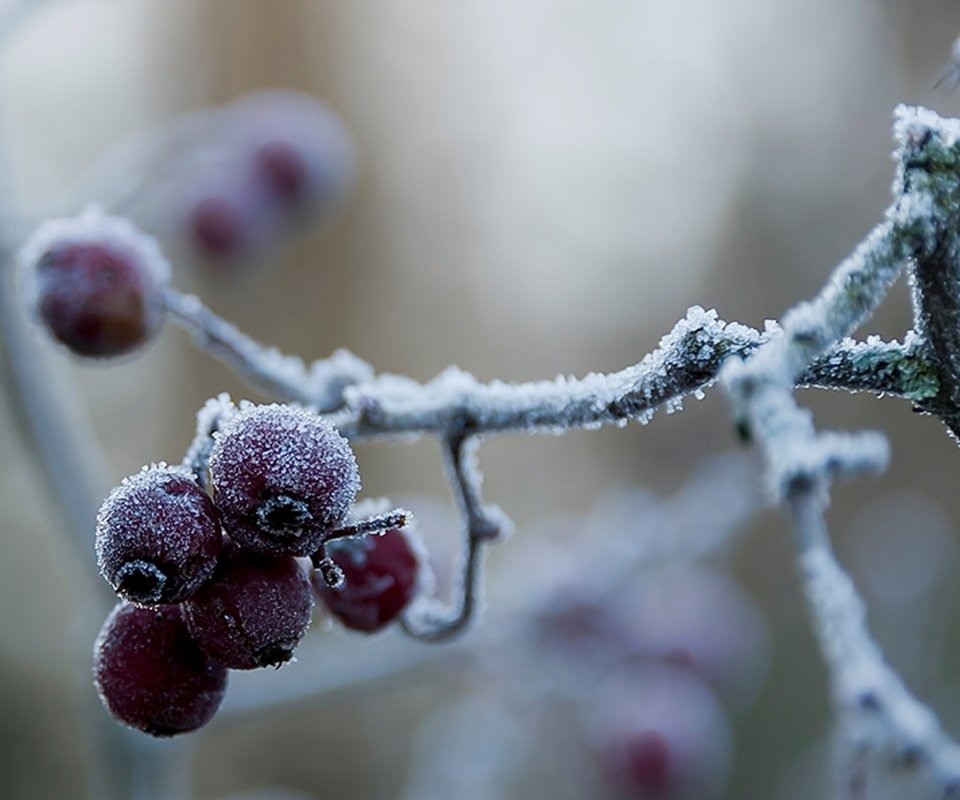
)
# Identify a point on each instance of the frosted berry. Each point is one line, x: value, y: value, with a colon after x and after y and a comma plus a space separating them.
x: 282, y: 478
x: 95, y: 283
x: 661, y: 734
x: 254, y: 612
x: 380, y: 574
x: 151, y: 675
x: 158, y: 536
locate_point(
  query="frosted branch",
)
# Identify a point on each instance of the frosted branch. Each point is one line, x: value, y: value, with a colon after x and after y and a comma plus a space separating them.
x: 876, y: 711
x: 874, y: 706
x: 320, y: 386
x: 428, y: 620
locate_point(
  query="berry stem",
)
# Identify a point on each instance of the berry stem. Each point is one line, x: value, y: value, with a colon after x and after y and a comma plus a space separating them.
x: 398, y: 518
x: 430, y: 621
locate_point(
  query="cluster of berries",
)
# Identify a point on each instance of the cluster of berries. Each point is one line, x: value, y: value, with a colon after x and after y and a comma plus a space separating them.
x: 275, y: 159
x: 211, y: 584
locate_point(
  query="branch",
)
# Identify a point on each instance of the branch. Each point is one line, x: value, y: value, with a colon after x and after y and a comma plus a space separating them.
x: 875, y: 710
x: 287, y: 377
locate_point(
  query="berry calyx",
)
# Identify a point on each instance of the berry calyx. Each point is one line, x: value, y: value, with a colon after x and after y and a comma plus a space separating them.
x: 95, y: 283
x: 151, y: 675
x: 254, y: 612
x: 158, y: 536
x: 380, y: 578
x: 282, y: 478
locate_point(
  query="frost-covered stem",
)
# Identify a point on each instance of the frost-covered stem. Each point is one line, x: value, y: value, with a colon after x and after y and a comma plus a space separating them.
x: 398, y: 518
x: 286, y: 377
x: 874, y: 707
x: 936, y: 283
x: 481, y: 524
x: 687, y: 361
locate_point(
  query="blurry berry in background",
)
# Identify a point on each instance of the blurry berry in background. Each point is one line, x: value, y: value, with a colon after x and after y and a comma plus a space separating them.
x: 96, y: 283
x: 381, y: 574
x: 660, y: 734
x: 298, y: 148
x: 254, y: 612
x: 282, y: 478
x: 225, y: 222
x: 151, y: 675
x: 699, y: 619
x: 158, y: 536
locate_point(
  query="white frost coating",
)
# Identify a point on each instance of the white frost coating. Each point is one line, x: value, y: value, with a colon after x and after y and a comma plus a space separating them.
x: 92, y: 226
x: 912, y: 122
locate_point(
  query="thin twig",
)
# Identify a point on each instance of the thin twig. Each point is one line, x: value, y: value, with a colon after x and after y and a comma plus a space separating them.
x: 428, y: 620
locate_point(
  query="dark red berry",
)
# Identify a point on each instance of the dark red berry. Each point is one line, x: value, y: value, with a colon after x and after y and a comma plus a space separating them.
x: 380, y: 575
x: 217, y: 227
x: 283, y: 170
x: 151, y: 675
x: 298, y: 148
x: 661, y: 734
x: 225, y: 219
x: 158, y: 536
x: 96, y: 283
x: 282, y: 478
x: 254, y: 612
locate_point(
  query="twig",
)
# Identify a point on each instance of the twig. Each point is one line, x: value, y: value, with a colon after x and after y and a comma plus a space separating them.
x: 287, y: 377
x: 428, y: 620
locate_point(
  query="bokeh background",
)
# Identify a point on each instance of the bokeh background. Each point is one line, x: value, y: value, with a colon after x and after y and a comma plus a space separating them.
x: 544, y: 187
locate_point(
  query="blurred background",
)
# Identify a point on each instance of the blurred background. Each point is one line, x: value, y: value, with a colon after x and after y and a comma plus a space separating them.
x: 541, y: 187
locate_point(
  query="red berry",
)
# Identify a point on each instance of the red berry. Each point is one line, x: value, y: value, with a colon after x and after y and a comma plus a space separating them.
x: 283, y: 170
x: 661, y: 734
x: 282, y: 478
x: 225, y: 220
x: 254, y: 612
x: 380, y: 574
x: 96, y: 283
x: 298, y: 148
x: 158, y: 536
x: 151, y: 675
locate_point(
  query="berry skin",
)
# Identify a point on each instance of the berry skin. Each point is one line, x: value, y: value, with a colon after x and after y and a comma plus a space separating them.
x: 380, y: 573
x: 661, y: 734
x: 151, y: 675
x: 282, y: 478
x: 158, y: 536
x: 96, y: 284
x: 254, y: 612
